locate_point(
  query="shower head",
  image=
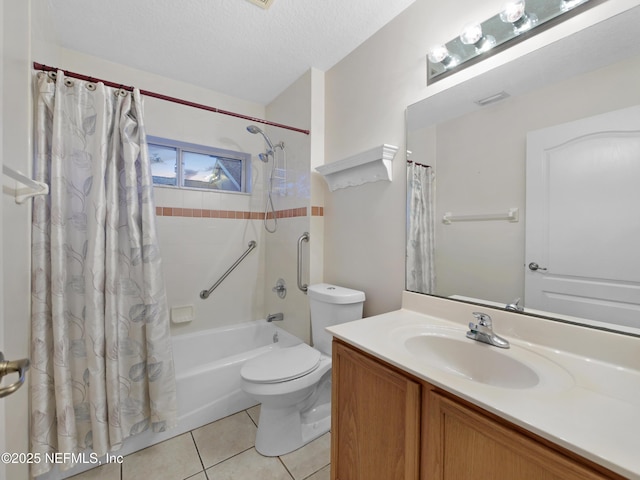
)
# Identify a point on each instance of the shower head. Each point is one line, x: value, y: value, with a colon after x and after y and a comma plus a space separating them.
x: 253, y: 129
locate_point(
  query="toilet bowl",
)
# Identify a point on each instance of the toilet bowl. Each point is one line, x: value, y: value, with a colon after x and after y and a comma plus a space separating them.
x: 293, y: 384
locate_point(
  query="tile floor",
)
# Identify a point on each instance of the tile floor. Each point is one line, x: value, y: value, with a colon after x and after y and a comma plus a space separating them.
x: 222, y: 450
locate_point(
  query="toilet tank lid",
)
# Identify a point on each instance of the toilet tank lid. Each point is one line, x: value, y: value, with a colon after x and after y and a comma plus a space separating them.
x: 327, y: 293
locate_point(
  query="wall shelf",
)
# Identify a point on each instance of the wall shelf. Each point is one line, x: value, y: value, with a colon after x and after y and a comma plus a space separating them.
x: 371, y: 166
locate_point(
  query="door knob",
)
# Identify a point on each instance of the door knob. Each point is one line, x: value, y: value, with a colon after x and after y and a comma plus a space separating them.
x: 534, y: 266
x: 6, y: 367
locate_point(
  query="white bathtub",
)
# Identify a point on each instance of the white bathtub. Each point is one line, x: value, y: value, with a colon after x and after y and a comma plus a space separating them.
x: 207, y: 365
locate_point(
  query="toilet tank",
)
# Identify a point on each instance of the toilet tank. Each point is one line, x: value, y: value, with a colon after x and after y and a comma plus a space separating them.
x: 331, y: 305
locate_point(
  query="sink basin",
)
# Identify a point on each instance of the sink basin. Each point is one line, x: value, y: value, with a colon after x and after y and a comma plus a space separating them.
x: 449, y: 351
x: 473, y: 360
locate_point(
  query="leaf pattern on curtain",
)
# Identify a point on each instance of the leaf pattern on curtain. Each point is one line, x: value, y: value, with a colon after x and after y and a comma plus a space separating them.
x: 102, y: 364
x: 420, y: 268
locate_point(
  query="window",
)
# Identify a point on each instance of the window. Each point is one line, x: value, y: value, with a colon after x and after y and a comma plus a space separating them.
x: 186, y: 165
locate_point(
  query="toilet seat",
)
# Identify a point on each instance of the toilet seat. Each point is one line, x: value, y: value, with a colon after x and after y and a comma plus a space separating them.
x: 281, y: 365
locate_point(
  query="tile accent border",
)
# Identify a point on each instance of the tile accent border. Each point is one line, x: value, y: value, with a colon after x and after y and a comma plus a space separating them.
x: 236, y: 214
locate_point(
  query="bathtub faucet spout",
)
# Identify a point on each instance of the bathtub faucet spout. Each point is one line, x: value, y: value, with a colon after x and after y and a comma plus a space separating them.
x: 275, y: 316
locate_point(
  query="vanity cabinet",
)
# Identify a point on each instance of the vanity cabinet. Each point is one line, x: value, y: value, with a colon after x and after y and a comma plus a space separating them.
x: 461, y: 442
x: 375, y: 419
x: 388, y: 425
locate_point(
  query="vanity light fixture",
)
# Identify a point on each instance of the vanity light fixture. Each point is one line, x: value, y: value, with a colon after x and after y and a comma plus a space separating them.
x: 518, y: 20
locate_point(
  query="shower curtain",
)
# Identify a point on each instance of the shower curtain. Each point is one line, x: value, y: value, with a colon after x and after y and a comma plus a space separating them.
x: 102, y: 365
x: 420, y: 270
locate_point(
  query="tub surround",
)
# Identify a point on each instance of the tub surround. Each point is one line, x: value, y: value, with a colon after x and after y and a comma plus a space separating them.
x: 592, y: 408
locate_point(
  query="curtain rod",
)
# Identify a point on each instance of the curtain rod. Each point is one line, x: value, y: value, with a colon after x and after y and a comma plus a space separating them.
x: 416, y: 163
x: 147, y: 93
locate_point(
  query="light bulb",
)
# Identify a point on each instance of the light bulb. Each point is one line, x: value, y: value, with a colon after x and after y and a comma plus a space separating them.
x: 438, y: 53
x: 512, y: 11
x: 471, y: 34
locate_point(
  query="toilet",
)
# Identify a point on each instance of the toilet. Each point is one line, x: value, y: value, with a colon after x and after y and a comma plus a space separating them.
x: 293, y: 384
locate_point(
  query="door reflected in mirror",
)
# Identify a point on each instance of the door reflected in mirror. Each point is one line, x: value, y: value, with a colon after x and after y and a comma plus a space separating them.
x: 583, y: 223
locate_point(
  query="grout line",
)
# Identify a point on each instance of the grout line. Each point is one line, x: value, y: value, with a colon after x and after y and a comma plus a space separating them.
x: 285, y: 467
x: 197, y: 451
x: 229, y: 458
x: 198, y: 473
x: 250, y: 417
x: 321, y: 468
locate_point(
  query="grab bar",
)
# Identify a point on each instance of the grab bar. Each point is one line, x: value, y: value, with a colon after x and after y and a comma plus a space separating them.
x: 303, y: 238
x: 15, y: 366
x: 204, y: 294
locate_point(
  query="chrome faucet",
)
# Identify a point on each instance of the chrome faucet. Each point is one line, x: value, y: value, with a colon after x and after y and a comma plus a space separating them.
x: 514, y: 306
x: 275, y: 316
x: 483, y: 331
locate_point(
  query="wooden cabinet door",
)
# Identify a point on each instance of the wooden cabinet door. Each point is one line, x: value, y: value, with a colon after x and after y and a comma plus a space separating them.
x: 375, y: 430
x: 460, y: 443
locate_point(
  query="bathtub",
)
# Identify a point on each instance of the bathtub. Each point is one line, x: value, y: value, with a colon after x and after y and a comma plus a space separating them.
x: 207, y: 365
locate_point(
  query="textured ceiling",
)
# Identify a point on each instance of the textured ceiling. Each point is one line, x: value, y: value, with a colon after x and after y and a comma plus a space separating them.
x: 230, y: 46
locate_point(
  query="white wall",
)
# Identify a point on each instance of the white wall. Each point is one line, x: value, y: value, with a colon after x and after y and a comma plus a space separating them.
x: 16, y: 152
x: 316, y: 245
x: 366, y: 96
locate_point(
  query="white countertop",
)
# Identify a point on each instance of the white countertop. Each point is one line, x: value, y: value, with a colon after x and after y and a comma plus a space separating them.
x: 592, y: 410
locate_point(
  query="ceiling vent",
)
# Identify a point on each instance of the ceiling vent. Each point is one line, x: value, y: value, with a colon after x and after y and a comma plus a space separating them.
x: 262, y: 3
x: 492, y: 99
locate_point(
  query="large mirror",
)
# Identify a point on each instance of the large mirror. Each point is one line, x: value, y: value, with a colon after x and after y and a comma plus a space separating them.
x: 491, y: 192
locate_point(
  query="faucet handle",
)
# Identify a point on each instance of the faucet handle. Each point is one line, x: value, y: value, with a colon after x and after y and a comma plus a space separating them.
x: 483, y: 319
x: 280, y: 289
